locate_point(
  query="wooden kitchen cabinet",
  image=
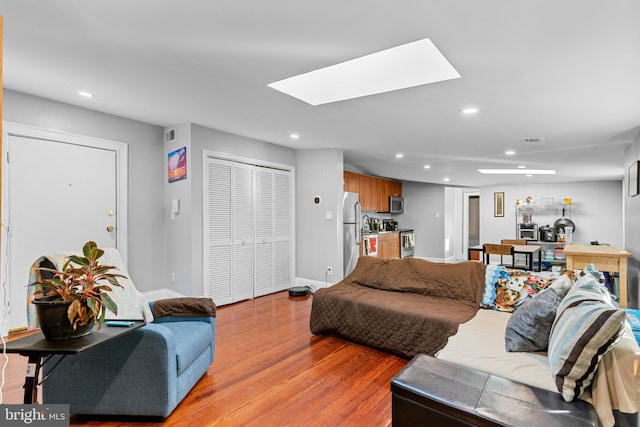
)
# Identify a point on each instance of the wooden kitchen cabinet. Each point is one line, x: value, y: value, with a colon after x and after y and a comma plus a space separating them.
x: 374, y: 192
x: 389, y: 245
x: 367, y: 189
x: 350, y: 182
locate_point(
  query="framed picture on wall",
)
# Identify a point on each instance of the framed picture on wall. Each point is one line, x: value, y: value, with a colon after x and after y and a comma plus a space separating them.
x: 633, y: 179
x: 177, y: 164
x: 498, y: 204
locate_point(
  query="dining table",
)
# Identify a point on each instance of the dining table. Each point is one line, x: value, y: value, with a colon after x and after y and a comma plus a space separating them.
x: 529, y: 251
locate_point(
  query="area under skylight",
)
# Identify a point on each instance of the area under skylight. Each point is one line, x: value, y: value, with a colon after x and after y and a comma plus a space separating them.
x: 409, y: 65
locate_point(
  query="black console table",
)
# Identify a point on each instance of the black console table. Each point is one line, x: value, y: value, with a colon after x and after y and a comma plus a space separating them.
x: 36, y: 347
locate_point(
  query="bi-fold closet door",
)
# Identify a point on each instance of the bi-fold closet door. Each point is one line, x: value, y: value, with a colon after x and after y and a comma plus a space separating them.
x: 247, y: 230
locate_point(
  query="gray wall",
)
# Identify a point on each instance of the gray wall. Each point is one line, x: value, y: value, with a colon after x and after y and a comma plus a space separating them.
x: 146, y: 242
x: 632, y: 228
x: 319, y: 240
x: 597, y: 210
x: 424, y: 212
x: 179, y: 273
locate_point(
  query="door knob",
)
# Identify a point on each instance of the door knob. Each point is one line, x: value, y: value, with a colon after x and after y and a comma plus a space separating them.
x: 110, y: 228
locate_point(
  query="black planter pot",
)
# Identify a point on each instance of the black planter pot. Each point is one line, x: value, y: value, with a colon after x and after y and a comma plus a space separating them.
x: 54, y: 323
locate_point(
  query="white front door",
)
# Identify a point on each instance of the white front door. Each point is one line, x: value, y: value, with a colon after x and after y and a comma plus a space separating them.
x: 59, y: 194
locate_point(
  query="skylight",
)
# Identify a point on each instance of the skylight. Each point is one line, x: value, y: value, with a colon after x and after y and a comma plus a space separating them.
x: 409, y: 65
x: 517, y: 171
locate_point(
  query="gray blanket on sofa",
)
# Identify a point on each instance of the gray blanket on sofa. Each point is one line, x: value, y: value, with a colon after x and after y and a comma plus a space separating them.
x: 406, y: 306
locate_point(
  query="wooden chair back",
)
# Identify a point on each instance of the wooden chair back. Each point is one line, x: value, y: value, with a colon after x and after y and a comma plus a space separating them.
x: 496, y: 249
x: 513, y: 242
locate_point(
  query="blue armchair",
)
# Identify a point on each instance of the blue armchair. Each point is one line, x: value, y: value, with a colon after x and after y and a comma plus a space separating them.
x: 146, y: 372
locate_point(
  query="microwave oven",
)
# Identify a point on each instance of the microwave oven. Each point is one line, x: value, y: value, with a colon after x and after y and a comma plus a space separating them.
x: 396, y: 204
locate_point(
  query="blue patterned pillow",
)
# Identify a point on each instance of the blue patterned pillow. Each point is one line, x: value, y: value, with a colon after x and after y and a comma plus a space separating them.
x: 506, y: 289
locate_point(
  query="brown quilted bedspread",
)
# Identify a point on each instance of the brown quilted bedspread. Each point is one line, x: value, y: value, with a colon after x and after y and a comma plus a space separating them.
x: 406, y: 306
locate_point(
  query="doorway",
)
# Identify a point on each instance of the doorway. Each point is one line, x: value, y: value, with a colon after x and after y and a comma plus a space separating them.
x: 471, y: 224
x: 59, y: 191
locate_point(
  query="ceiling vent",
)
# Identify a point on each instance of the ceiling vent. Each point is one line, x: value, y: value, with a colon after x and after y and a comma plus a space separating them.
x: 532, y: 141
x: 170, y: 135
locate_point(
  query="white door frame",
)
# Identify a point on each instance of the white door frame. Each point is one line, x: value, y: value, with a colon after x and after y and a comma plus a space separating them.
x: 121, y: 150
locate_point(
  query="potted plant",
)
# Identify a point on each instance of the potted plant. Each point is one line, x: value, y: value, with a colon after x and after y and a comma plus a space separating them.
x: 76, y: 295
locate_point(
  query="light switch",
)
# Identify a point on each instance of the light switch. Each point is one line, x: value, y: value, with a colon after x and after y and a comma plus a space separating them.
x: 328, y: 215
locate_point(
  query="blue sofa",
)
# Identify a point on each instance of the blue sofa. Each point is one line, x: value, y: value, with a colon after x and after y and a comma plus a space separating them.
x: 145, y: 373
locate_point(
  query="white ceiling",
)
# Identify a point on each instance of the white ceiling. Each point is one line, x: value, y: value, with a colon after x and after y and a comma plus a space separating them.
x: 566, y: 71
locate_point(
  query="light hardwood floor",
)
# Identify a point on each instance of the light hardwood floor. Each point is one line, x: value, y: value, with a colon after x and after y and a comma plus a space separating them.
x: 269, y: 370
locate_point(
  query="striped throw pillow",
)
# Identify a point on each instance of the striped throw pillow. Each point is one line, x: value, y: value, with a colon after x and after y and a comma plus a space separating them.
x: 587, y: 325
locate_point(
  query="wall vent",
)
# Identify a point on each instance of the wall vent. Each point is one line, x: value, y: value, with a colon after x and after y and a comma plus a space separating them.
x: 532, y: 141
x: 170, y: 135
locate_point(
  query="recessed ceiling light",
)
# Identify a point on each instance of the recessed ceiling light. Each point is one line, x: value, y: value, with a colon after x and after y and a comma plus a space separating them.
x: 446, y: 179
x: 409, y: 65
x: 517, y: 171
x: 521, y: 167
x: 85, y: 94
x: 509, y: 152
x: 528, y: 175
x: 294, y: 136
x: 427, y: 166
x: 469, y: 110
x: 399, y: 156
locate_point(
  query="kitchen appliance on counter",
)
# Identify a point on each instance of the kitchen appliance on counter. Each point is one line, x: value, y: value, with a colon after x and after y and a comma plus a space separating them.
x: 407, y: 243
x: 547, y: 234
x: 389, y: 225
x: 563, y: 223
x: 351, y: 227
x: 527, y: 231
x: 396, y: 205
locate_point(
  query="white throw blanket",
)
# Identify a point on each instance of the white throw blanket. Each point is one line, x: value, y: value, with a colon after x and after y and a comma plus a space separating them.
x: 480, y: 344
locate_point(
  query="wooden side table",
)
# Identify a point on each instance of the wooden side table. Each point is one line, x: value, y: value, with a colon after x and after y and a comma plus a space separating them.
x: 605, y: 258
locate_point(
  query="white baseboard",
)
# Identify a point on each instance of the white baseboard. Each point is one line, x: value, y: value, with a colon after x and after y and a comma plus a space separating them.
x: 161, y: 294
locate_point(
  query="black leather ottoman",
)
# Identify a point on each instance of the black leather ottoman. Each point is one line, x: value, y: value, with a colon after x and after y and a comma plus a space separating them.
x: 432, y: 392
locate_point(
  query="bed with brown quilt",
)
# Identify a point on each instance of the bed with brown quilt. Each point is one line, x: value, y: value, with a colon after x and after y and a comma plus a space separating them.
x: 402, y: 306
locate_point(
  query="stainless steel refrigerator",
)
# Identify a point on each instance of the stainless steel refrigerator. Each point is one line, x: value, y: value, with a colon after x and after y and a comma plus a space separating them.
x: 352, y: 228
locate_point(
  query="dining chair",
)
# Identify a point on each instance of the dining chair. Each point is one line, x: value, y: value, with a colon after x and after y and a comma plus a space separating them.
x: 519, y: 260
x: 489, y: 249
x: 513, y: 242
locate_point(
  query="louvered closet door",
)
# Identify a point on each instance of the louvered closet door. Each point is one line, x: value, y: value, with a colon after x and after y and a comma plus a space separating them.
x: 243, y: 243
x: 282, y: 217
x: 218, y: 250
x: 264, y: 235
x: 248, y: 231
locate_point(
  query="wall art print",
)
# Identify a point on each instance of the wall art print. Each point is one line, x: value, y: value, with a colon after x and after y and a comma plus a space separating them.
x: 177, y: 164
x: 498, y: 204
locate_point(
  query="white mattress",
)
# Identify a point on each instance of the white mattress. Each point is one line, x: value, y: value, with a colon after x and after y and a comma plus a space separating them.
x: 479, y: 344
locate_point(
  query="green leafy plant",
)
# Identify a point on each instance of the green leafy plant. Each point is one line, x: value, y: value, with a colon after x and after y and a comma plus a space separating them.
x: 83, y: 282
